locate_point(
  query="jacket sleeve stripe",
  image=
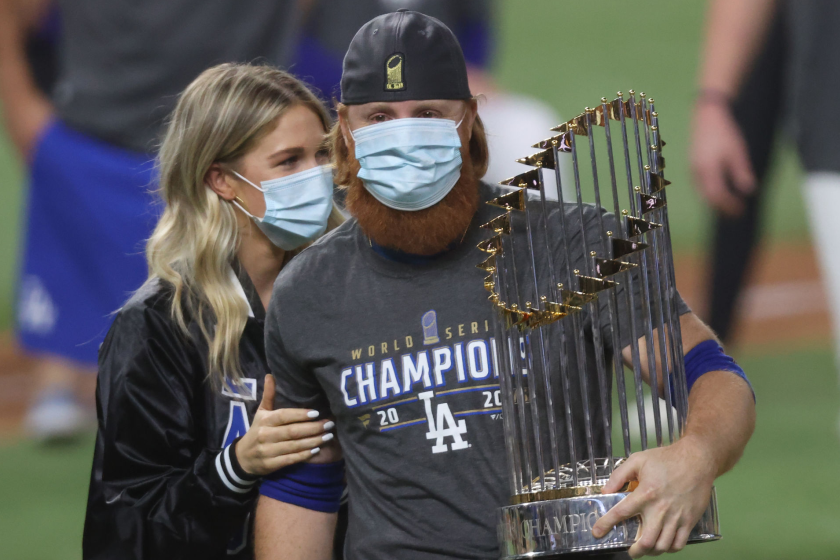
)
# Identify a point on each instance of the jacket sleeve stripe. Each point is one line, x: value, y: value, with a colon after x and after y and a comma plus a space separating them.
x: 225, y: 480
x: 232, y: 473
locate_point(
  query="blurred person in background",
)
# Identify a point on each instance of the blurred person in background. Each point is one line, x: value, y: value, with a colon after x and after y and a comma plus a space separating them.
x: 732, y: 175
x: 182, y: 441
x: 88, y: 147
x: 810, y: 69
x: 512, y: 120
x: 735, y: 30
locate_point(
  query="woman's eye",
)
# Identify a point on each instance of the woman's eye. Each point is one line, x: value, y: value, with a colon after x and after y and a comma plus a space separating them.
x: 288, y: 161
x: 428, y: 114
x: 379, y: 117
x: 322, y: 154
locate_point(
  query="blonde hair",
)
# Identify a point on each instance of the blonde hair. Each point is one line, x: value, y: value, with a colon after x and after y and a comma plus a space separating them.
x: 219, y: 118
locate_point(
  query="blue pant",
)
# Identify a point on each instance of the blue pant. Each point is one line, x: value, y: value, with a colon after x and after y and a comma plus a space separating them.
x: 90, y: 211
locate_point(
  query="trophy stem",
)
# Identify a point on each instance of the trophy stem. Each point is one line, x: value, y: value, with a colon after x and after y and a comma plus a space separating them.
x: 661, y: 335
x: 599, y: 350
x: 513, y: 458
x: 679, y: 358
x: 517, y: 379
x: 647, y: 316
x: 630, y: 292
x: 589, y: 258
x: 618, y: 366
x: 546, y: 358
x: 527, y: 374
x: 564, y: 347
x: 533, y: 407
x: 663, y: 312
x: 576, y: 335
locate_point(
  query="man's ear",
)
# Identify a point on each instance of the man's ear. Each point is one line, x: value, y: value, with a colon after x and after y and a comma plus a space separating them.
x: 472, y: 113
x: 344, y: 126
x: 217, y: 180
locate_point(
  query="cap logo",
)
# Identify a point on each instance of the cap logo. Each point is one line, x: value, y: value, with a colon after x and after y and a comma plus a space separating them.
x: 394, y: 73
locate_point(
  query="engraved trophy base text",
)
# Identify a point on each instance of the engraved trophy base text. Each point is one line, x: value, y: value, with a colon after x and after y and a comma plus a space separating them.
x: 552, y: 528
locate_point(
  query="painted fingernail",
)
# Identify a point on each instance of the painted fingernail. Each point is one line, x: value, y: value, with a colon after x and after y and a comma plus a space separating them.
x: 327, y: 437
x: 329, y: 425
x: 316, y: 450
x: 313, y: 414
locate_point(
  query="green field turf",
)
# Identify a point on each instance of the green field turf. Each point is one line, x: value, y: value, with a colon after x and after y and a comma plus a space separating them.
x: 780, y: 503
x: 10, y: 221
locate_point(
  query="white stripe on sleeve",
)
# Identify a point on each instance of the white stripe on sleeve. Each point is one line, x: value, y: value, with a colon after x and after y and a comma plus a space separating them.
x: 224, y: 477
x: 232, y: 473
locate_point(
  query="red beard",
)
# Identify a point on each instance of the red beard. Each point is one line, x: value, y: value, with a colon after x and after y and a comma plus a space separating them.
x: 423, y: 232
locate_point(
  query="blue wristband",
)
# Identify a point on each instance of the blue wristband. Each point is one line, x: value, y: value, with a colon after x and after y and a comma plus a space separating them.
x: 709, y: 356
x: 315, y: 486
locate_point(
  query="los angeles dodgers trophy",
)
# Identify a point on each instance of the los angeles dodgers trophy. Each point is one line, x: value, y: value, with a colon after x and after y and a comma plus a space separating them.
x: 556, y: 310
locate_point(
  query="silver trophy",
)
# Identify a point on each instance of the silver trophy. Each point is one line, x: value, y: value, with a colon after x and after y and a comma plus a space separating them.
x: 558, y: 415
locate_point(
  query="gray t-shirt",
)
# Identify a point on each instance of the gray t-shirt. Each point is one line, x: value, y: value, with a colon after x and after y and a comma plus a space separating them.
x: 124, y: 63
x: 403, y: 356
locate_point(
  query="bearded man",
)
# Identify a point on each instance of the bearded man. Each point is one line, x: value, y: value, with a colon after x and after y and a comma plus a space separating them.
x: 384, y: 325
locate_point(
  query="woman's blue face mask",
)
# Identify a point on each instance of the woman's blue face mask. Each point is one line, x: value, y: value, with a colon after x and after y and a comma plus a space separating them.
x: 409, y: 164
x: 296, y: 206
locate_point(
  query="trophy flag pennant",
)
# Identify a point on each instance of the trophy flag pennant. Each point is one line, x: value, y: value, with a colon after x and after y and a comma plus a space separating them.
x: 622, y: 247
x: 488, y: 264
x: 489, y: 283
x: 617, y: 107
x: 499, y: 224
x: 576, y: 125
x: 656, y: 182
x: 609, y: 267
x: 530, y: 179
x: 513, y: 316
x: 598, y: 114
x: 492, y: 245
x: 511, y: 201
x: 544, y: 158
x: 576, y: 299
x: 590, y: 285
x: 638, y: 226
x: 651, y: 203
x: 556, y: 308
x: 562, y: 141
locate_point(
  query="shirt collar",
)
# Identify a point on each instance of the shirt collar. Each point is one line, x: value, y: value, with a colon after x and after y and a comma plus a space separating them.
x: 407, y: 258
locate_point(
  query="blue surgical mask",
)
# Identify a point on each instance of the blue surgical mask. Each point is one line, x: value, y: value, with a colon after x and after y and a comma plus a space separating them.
x: 409, y: 164
x: 296, y: 206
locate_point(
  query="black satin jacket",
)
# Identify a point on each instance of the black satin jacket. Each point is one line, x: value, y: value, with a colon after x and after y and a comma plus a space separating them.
x: 161, y: 487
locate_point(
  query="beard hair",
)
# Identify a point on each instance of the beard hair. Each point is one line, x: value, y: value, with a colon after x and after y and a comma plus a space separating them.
x: 423, y: 232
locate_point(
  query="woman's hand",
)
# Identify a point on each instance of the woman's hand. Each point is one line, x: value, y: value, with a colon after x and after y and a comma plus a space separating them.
x: 279, y: 438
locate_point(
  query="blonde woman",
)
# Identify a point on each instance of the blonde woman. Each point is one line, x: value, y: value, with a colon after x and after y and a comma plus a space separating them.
x: 186, y: 426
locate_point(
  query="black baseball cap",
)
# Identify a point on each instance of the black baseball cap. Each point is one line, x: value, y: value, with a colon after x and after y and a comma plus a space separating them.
x: 403, y: 56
